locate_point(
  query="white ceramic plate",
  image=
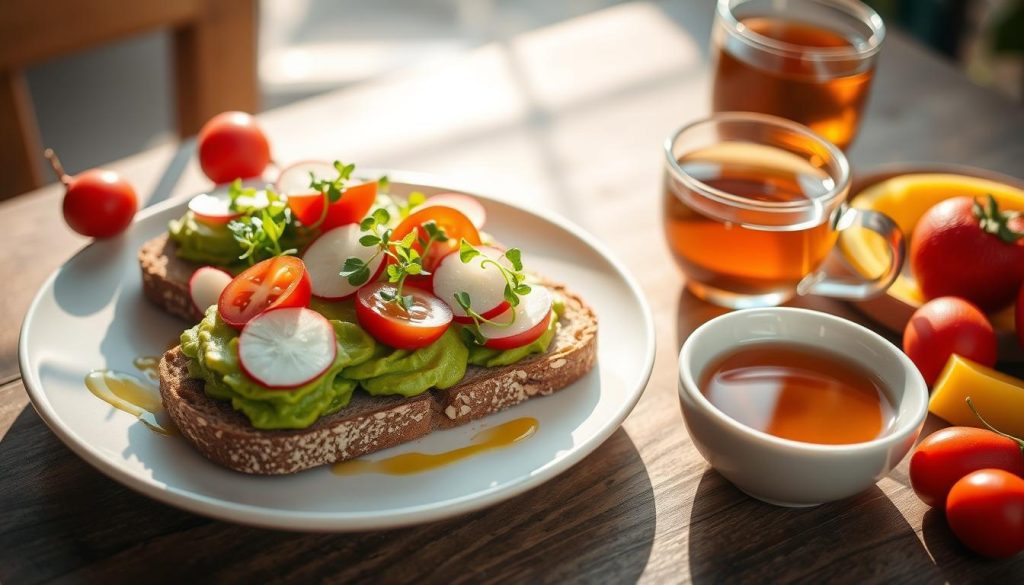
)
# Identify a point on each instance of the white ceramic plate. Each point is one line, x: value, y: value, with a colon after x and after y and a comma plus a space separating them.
x: 91, y: 314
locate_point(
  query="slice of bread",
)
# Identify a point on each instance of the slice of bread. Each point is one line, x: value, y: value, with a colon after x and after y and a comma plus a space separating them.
x: 165, y: 277
x: 370, y: 423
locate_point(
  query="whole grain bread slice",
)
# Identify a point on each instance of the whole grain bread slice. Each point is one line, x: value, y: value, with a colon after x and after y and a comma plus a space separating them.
x: 165, y: 277
x: 370, y: 423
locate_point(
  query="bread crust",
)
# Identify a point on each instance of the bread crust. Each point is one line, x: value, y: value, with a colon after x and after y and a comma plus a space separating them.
x: 165, y: 277
x: 368, y: 423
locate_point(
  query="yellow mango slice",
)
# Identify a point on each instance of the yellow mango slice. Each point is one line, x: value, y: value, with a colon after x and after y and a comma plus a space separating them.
x: 905, y: 199
x: 998, y: 397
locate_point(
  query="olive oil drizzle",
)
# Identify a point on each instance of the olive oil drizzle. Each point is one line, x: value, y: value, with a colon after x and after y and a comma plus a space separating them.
x: 498, y: 437
x: 128, y: 393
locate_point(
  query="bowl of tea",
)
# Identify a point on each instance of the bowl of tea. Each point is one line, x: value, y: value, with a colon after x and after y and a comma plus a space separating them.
x: 797, y: 407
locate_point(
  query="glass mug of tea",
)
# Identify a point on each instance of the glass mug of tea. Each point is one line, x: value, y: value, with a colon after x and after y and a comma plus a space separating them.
x: 810, y: 61
x: 753, y: 204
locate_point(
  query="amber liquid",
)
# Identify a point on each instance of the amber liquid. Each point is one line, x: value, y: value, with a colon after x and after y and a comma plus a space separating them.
x: 498, y: 437
x: 799, y: 393
x: 827, y: 96
x: 743, y: 258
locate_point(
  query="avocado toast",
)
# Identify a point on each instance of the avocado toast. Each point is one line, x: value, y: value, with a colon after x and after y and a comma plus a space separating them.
x: 320, y: 340
x: 371, y: 423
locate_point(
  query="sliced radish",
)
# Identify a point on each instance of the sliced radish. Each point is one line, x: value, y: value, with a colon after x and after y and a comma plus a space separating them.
x: 215, y: 207
x: 469, y: 206
x: 294, y: 179
x: 286, y: 348
x: 325, y: 257
x: 484, y: 283
x: 206, y: 285
x: 531, y: 320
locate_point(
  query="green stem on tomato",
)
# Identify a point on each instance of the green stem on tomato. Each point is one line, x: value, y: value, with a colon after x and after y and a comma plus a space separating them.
x: 1019, y: 442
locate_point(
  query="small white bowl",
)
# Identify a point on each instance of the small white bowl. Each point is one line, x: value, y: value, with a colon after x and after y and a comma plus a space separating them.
x: 793, y: 473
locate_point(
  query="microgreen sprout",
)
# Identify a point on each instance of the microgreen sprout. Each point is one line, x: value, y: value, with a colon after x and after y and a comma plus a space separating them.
x: 404, y: 256
x: 515, y: 286
x: 265, y: 221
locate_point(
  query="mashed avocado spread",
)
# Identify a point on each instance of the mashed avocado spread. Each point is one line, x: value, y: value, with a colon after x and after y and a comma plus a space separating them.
x: 361, y: 361
x: 202, y: 242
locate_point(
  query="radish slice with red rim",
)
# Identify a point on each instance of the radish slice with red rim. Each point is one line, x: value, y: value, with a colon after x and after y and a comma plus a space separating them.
x: 325, y: 257
x: 469, y: 206
x: 215, y: 207
x: 294, y: 179
x: 206, y: 285
x: 286, y: 348
x: 531, y: 318
x: 479, y: 278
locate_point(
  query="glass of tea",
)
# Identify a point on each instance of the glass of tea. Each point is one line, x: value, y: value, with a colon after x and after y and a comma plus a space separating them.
x: 810, y: 61
x: 753, y: 204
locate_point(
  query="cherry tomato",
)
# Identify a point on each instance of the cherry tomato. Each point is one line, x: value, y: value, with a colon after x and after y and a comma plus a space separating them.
x: 99, y: 203
x: 956, y: 250
x: 520, y: 339
x: 945, y: 326
x: 426, y: 320
x: 456, y: 226
x: 985, y: 510
x: 951, y: 453
x: 353, y: 206
x: 274, y: 283
x: 232, y: 146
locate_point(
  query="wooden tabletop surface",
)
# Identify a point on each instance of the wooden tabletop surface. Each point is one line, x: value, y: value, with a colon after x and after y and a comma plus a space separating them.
x: 570, y: 118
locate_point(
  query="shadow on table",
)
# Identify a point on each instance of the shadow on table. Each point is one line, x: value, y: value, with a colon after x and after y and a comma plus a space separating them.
x: 63, y: 518
x: 736, y: 538
x: 58, y: 514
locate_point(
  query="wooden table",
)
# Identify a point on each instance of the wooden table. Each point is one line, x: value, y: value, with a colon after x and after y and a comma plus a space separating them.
x: 570, y: 118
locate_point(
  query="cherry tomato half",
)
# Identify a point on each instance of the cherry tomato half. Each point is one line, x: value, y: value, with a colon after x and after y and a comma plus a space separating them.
x: 456, y: 226
x: 426, y: 320
x: 232, y: 146
x: 945, y: 456
x: 353, y: 206
x: 944, y: 326
x: 99, y: 203
x: 274, y: 283
x: 985, y: 510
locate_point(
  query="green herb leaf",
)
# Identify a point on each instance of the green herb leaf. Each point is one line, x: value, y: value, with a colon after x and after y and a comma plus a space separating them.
x: 369, y: 240
x: 381, y: 216
x: 516, y: 258
x: 351, y: 266
x: 462, y: 298
x: 367, y: 224
x: 511, y: 296
x: 383, y: 183
x: 466, y: 251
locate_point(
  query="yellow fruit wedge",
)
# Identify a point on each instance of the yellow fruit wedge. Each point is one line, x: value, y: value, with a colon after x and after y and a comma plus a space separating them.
x: 998, y: 397
x: 905, y: 199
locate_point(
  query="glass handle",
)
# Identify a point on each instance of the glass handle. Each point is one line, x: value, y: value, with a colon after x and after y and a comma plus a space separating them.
x: 854, y: 288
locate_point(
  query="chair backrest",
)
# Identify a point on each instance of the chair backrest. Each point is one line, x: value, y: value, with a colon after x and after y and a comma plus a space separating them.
x: 214, y: 48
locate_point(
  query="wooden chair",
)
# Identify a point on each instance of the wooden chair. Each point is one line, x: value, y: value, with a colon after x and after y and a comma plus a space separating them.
x: 214, y: 51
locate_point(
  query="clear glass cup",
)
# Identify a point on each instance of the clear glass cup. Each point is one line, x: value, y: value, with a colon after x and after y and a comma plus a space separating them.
x: 810, y: 61
x: 753, y: 204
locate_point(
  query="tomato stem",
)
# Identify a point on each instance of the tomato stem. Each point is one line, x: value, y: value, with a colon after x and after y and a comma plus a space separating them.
x: 58, y: 169
x: 996, y: 222
x: 970, y: 404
